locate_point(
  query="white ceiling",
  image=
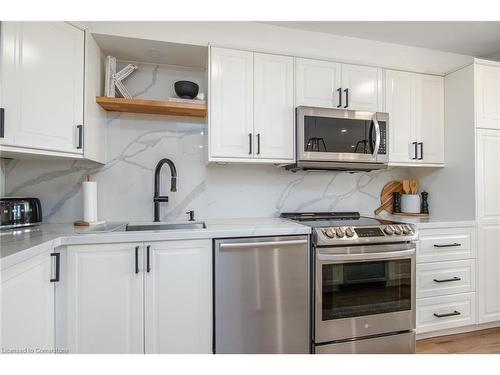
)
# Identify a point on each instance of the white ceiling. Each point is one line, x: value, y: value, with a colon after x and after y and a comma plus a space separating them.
x: 479, y: 39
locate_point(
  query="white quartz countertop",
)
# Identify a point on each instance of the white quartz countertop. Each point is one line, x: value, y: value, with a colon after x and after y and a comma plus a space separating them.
x: 429, y: 222
x: 17, y: 245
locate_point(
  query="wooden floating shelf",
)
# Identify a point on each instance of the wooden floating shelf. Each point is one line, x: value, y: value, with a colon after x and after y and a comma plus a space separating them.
x: 154, y: 107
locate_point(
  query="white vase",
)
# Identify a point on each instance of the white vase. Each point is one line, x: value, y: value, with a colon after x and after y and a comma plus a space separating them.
x: 410, y: 203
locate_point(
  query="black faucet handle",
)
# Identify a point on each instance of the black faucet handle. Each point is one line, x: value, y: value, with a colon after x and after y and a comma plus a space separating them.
x: 191, y: 215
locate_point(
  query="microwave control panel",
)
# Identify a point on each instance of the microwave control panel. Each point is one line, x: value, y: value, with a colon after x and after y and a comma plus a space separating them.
x: 382, y: 150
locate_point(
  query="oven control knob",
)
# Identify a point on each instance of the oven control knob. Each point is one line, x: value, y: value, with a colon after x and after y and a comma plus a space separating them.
x: 388, y: 230
x: 339, y: 232
x: 349, y: 232
x: 398, y: 230
x: 406, y: 229
x: 329, y: 233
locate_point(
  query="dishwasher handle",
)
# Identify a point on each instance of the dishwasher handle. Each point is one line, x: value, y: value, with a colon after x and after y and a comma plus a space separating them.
x: 236, y: 245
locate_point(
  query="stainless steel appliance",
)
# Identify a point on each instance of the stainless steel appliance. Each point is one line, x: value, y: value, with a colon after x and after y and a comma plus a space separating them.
x: 19, y: 212
x: 341, y: 139
x: 364, y: 290
x: 262, y: 295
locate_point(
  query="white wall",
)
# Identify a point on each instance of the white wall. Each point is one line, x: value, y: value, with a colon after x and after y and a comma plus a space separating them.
x: 289, y: 41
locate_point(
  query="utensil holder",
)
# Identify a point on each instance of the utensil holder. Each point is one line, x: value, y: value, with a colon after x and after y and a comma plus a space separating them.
x: 410, y: 203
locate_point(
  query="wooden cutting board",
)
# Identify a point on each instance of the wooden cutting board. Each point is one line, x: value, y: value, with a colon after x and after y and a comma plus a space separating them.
x: 386, y: 196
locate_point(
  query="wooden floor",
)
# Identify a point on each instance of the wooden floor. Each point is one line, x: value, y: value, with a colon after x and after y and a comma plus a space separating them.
x: 479, y: 342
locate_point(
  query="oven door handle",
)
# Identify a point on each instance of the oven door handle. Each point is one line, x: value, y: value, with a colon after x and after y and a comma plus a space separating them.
x: 377, y: 135
x: 361, y: 257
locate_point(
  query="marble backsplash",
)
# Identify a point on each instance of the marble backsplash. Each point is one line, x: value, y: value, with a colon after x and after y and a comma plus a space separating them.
x: 137, y: 142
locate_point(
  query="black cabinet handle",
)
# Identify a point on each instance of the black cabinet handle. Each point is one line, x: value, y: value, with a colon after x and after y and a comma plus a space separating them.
x: 148, y: 264
x: 447, y: 280
x: 346, y: 98
x: 58, y: 266
x: 447, y: 314
x: 250, y: 143
x: 2, y: 122
x: 258, y: 143
x: 421, y: 144
x: 415, y: 145
x: 137, y: 259
x: 340, y: 97
x: 80, y: 137
x: 449, y: 245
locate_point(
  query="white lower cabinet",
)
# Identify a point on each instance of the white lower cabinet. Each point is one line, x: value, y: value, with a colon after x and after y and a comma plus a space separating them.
x: 104, y: 299
x: 153, y: 297
x: 446, y: 279
x: 27, y: 306
x: 178, y: 297
x: 489, y: 272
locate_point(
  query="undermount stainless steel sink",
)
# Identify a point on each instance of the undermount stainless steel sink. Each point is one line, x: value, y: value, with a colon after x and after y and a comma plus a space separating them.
x: 164, y: 226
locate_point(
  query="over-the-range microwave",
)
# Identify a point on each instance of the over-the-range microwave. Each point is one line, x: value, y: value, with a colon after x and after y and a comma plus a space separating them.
x: 338, y: 139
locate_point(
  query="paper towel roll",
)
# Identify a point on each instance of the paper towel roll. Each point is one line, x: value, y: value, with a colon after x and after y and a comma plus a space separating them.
x: 89, y: 201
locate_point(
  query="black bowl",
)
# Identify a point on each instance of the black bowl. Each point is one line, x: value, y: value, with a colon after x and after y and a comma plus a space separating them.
x: 186, y: 89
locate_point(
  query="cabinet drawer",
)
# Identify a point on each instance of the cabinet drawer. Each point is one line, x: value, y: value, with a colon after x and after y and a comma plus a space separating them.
x: 446, y: 244
x: 446, y: 312
x: 441, y: 278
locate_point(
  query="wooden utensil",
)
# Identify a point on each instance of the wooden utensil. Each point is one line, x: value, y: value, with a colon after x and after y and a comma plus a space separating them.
x: 386, y: 196
x: 406, y: 186
x: 414, y: 186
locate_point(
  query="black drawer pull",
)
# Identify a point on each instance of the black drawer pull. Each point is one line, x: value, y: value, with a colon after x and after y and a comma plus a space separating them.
x: 449, y: 245
x: 80, y: 137
x: 148, y: 261
x: 447, y: 314
x: 137, y: 259
x: 447, y: 280
x: 2, y: 122
x: 58, y: 266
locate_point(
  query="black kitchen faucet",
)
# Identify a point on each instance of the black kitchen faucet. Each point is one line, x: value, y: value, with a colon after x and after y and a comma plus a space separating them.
x: 173, y: 185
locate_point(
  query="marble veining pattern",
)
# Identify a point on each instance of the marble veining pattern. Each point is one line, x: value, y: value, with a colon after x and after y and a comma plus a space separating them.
x: 137, y: 142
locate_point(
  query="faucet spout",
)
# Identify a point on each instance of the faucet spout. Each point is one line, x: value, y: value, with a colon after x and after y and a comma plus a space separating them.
x: 157, y: 199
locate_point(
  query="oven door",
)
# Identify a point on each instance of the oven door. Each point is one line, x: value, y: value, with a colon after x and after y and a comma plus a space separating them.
x: 334, y: 135
x: 364, y: 291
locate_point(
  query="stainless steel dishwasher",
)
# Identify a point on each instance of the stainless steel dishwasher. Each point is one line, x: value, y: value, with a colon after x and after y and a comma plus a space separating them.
x: 262, y: 295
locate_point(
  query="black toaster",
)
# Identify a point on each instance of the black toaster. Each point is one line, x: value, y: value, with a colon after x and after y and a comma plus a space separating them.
x: 20, y: 212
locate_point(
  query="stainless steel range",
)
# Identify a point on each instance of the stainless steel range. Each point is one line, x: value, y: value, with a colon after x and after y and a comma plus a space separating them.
x: 364, y: 289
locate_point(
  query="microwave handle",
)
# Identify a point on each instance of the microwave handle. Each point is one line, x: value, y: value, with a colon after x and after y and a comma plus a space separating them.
x: 377, y: 135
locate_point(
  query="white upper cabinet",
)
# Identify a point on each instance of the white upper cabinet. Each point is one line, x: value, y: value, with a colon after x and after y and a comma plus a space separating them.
x: 27, y: 305
x: 400, y: 103
x: 273, y: 107
x: 487, y: 96
x: 42, y: 70
x: 317, y: 83
x: 251, y: 107
x: 178, y: 297
x: 415, y: 103
x: 231, y: 103
x: 430, y: 118
x: 362, y: 88
x: 104, y: 298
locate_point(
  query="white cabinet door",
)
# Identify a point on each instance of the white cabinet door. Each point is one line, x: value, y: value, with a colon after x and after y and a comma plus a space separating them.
x: 487, y: 93
x: 488, y: 271
x: 488, y: 176
x: 42, y: 84
x: 105, y: 298
x: 400, y: 104
x: 362, y: 88
x: 430, y: 118
x: 231, y: 103
x: 273, y: 107
x: 178, y: 295
x: 27, y: 305
x: 317, y: 83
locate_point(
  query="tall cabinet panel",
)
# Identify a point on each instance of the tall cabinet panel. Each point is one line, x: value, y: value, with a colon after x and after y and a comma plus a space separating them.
x: 104, y: 298
x: 430, y: 118
x: 178, y: 297
x: 42, y: 85
x: 231, y: 103
x: 487, y: 91
x: 273, y: 106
